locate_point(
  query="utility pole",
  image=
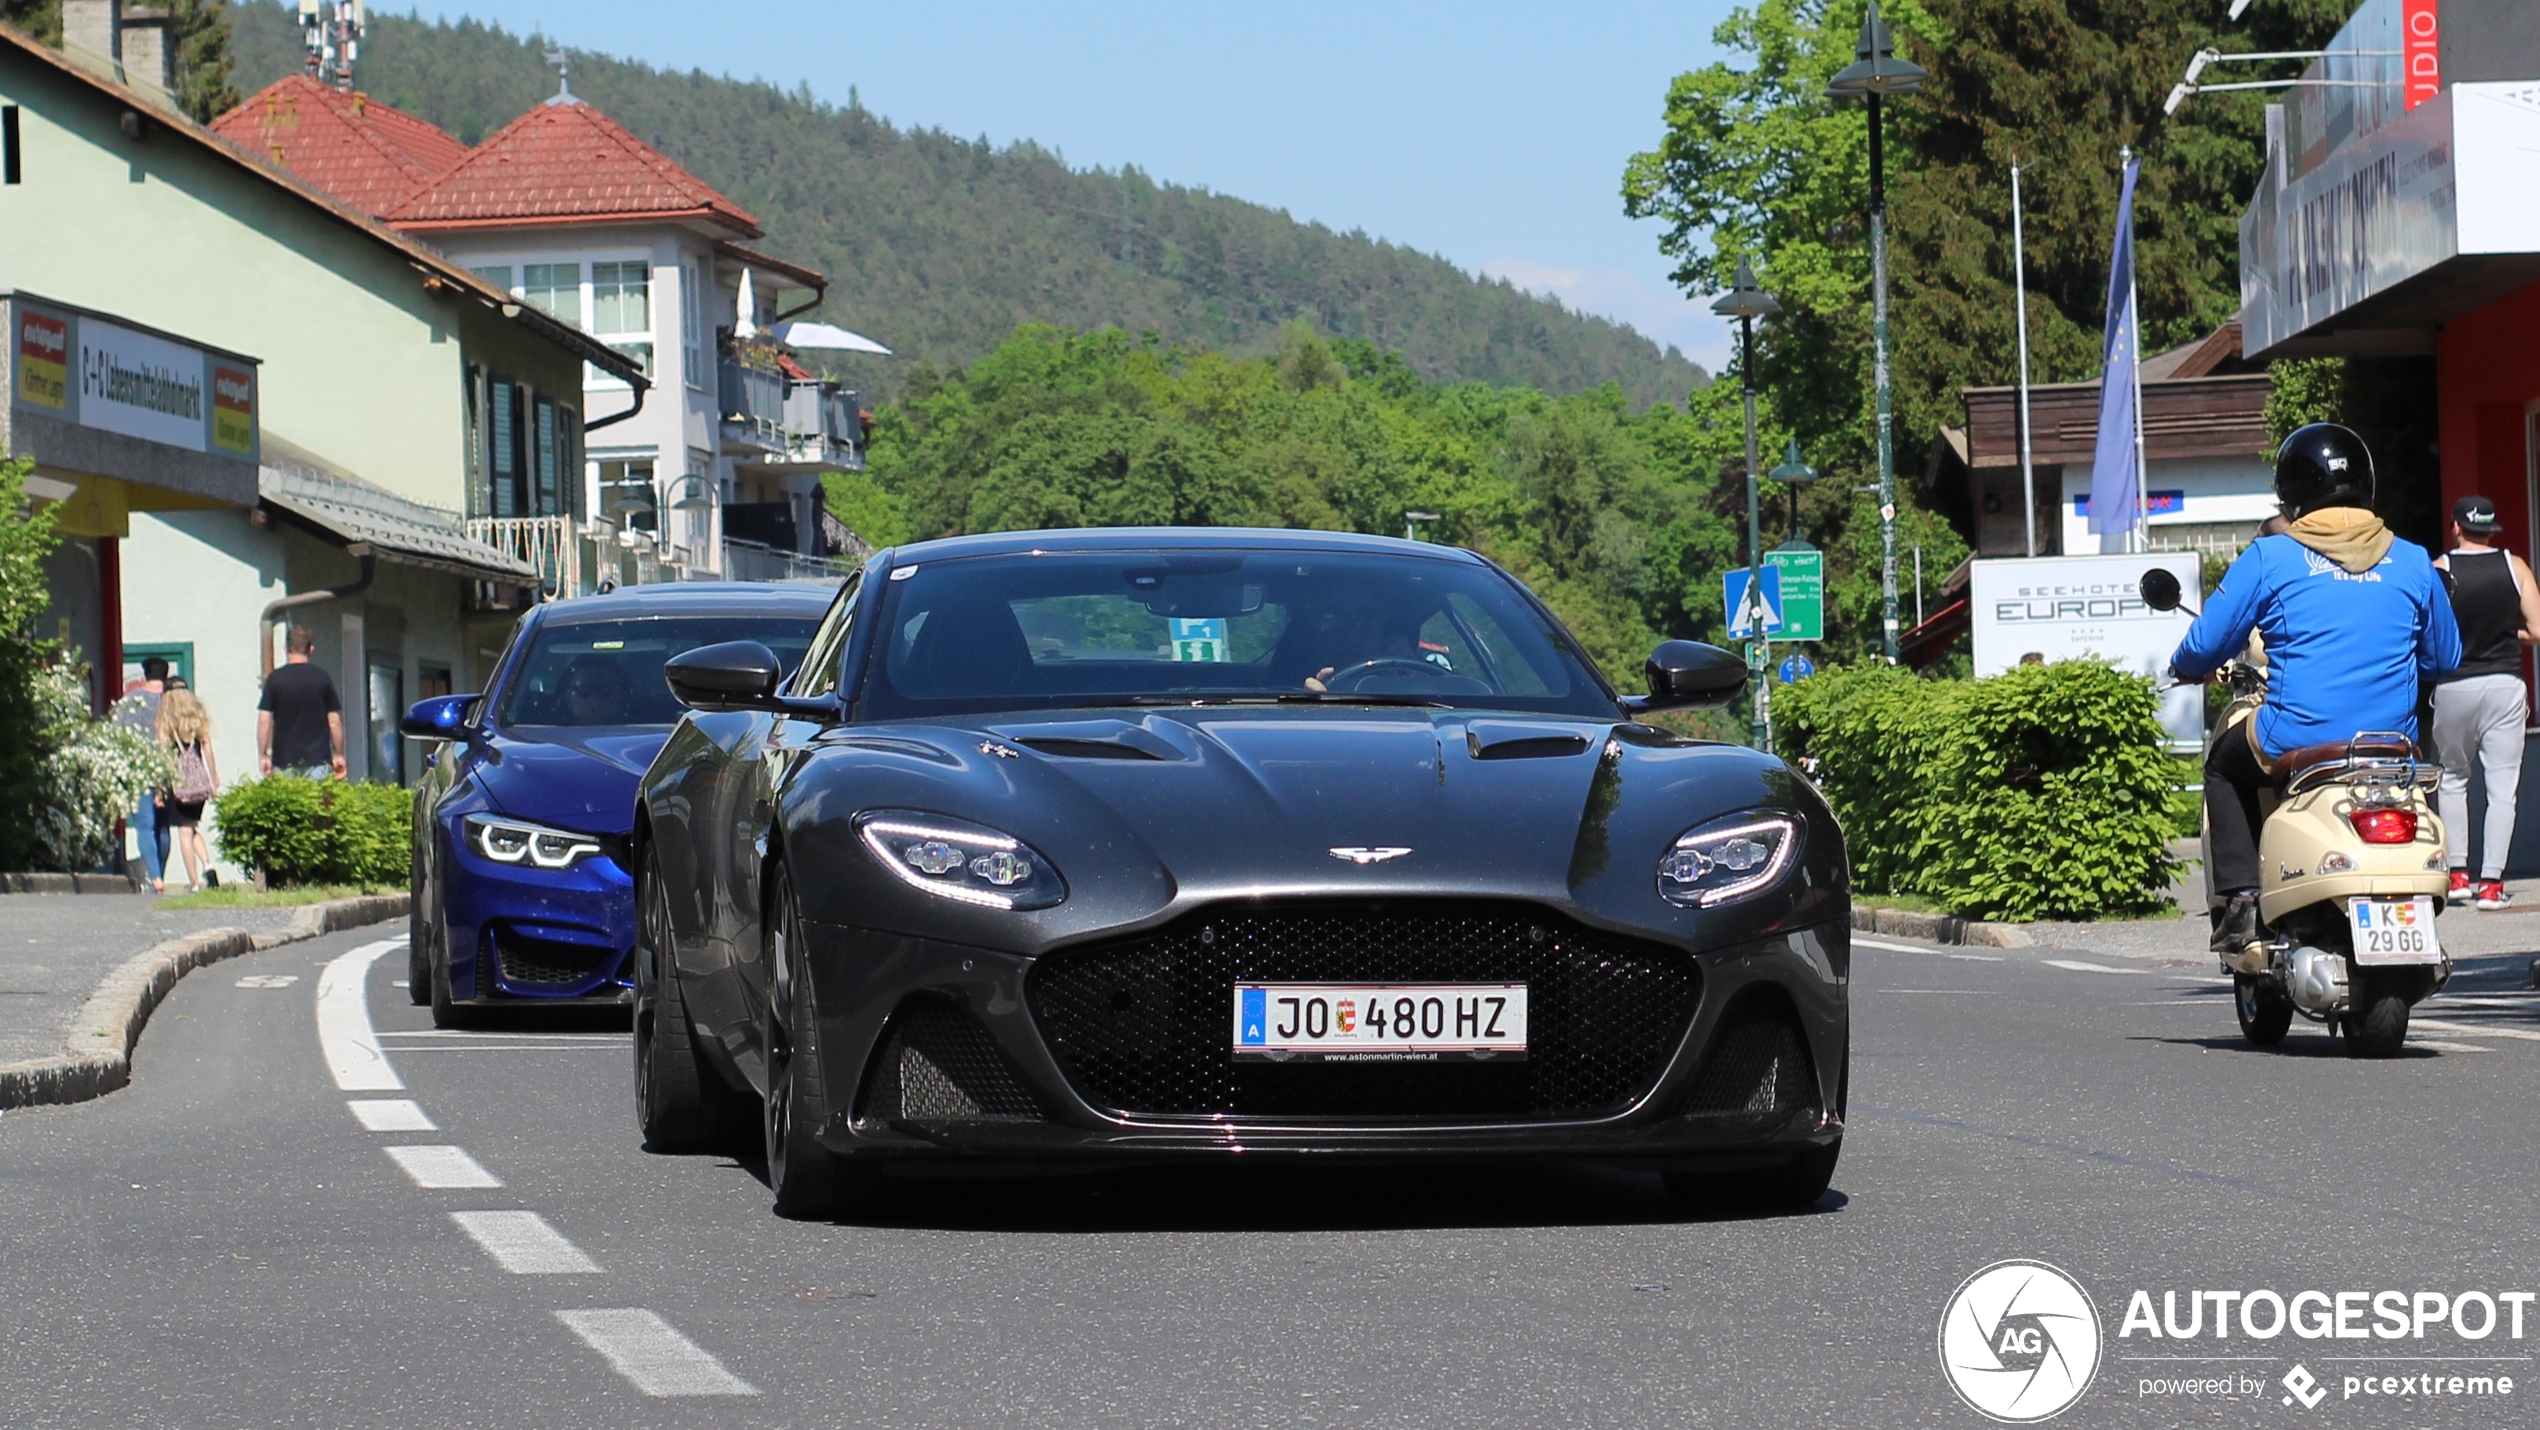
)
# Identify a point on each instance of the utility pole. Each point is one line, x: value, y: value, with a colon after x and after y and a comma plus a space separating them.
x: 2019, y: 279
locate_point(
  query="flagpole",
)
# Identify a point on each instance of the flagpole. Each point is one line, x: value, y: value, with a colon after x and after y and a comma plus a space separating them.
x: 2019, y: 280
x: 2134, y: 325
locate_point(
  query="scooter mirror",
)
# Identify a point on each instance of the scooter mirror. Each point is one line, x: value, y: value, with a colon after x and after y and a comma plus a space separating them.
x: 2160, y: 589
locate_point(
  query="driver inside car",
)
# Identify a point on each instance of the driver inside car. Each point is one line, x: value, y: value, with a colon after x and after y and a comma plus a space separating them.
x: 1346, y: 637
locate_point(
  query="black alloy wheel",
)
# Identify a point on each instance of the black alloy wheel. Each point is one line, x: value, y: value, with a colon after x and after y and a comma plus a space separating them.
x: 810, y: 1179
x: 2265, y: 1012
x: 681, y: 1104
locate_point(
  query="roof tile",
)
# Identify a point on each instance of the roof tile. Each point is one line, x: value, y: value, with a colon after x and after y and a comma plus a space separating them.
x: 370, y: 155
x: 564, y: 160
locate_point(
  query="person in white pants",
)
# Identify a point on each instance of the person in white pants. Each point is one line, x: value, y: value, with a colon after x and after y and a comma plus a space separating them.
x: 2481, y: 707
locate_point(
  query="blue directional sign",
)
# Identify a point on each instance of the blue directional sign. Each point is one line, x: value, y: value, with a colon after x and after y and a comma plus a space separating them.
x: 1733, y: 586
x: 1796, y: 667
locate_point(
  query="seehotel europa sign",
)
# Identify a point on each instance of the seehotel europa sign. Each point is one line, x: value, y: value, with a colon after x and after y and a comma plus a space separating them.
x: 2087, y: 608
x: 110, y: 377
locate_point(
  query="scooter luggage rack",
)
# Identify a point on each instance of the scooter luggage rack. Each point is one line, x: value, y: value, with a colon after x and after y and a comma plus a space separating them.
x: 2378, y: 772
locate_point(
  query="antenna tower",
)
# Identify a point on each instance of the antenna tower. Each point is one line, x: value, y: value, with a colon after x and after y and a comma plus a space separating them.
x: 332, y: 32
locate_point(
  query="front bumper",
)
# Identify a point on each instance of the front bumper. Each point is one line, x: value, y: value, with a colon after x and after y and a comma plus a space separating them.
x: 937, y: 1050
x: 520, y: 932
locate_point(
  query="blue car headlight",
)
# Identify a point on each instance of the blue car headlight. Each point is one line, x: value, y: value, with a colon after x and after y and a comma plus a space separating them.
x: 956, y: 859
x: 1728, y: 859
x: 517, y: 841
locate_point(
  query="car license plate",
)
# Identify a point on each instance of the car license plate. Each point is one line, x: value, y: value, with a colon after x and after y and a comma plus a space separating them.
x: 1380, y: 1022
x: 2394, y: 930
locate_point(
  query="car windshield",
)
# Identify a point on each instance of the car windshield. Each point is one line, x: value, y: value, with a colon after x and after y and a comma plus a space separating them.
x: 1123, y: 627
x: 609, y: 672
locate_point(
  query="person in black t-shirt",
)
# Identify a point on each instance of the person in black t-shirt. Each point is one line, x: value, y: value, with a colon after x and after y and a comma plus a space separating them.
x: 2480, y: 707
x: 300, y: 720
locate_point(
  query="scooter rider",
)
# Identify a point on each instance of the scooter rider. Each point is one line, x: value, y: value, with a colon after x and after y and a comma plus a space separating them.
x: 2352, y: 617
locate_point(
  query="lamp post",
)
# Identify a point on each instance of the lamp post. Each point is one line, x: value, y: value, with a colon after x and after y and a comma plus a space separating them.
x: 1876, y: 73
x: 1793, y: 473
x: 1413, y: 520
x: 1746, y: 301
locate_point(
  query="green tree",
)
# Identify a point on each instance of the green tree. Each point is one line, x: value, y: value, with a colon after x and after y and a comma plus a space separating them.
x: 26, y: 539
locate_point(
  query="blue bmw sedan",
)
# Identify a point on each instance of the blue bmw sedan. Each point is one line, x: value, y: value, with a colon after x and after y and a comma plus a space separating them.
x: 521, y: 885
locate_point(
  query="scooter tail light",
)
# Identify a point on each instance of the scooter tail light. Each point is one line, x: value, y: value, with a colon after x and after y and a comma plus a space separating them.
x: 2386, y: 826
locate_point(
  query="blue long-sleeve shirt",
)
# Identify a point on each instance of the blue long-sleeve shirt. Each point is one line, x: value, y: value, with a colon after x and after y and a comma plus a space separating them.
x: 2344, y: 651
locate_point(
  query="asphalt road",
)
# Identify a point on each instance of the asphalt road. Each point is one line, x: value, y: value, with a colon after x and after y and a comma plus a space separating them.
x: 226, y: 1243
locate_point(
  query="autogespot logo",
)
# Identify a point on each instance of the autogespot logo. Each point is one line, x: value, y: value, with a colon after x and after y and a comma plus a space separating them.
x: 2020, y: 1341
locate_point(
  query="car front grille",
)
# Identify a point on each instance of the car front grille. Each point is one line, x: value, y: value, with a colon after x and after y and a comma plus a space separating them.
x: 937, y: 1065
x: 527, y: 962
x: 1757, y: 1067
x: 1143, y: 1026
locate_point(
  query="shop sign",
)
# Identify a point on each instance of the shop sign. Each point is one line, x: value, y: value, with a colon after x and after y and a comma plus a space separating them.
x: 2050, y: 608
x: 234, y: 409
x: 96, y: 373
x: 44, y: 349
x: 140, y: 386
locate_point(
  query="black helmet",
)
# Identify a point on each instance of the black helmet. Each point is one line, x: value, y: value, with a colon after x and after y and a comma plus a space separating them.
x: 2322, y: 465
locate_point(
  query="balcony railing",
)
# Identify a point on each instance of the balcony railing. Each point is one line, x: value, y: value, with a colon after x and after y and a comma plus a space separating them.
x: 753, y: 404
x: 750, y: 561
x: 549, y: 543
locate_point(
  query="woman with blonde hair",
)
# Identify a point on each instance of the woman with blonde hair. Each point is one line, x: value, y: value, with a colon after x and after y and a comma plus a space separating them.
x: 185, y: 728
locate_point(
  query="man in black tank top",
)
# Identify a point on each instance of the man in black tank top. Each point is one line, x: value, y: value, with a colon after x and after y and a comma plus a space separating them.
x: 2481, y: 706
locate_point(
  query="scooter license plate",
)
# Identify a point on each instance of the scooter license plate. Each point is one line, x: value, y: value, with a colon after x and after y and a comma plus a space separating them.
x: 2394, y: 930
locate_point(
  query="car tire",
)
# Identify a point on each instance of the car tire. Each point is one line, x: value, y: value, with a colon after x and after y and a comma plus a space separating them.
x: 418, y: 925
x: 810, y: 1179
x: 681, y: 1104
x: 447, y: 1012
x: 1795, y: 1185
x: 2376, y: 1026
x: 2265, y: 1012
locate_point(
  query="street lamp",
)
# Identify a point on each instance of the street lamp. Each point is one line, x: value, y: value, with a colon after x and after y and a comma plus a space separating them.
x: 1792, y: 473
x: 1411, y: 522
x: 1746, y: 301
x: 1874, y: 74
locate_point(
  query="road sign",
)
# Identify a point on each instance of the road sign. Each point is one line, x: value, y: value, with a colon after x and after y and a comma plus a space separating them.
x: 1733, y: 590
x: 1200, y: 640
x: 1803, y: 588
x: 1796, y: 667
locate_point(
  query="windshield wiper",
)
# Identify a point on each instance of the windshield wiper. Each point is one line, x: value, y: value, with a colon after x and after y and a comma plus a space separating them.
x: 1301, y: 697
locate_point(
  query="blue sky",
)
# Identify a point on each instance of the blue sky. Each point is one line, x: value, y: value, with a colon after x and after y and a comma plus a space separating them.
x: 1493, y: 134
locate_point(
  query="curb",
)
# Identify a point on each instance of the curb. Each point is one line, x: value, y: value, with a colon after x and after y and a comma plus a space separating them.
x: 97, y: 1052
x: 1940, y: 928
x: 73, y: 884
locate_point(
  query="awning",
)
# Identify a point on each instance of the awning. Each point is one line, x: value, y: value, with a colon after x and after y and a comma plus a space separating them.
x: 334, y: 506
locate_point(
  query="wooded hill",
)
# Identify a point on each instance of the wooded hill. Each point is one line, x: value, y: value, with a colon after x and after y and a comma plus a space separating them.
x: 939, y: 246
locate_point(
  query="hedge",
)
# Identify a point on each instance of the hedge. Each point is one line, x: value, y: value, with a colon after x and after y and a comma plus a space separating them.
x: 305, y: 831
x: 2044, y: 792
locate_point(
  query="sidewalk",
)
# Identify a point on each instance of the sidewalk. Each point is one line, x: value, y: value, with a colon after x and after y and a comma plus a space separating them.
x: 56, y: 948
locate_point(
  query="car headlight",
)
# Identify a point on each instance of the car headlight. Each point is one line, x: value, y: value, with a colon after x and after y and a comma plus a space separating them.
x: 960, y: 860
x: 1728, y: 859
x: 517, y: 841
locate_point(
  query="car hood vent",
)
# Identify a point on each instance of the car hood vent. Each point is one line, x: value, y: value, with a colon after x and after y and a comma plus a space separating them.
x: 1513, y: 740
x: 1086, y: 749
x: 1094, y: 740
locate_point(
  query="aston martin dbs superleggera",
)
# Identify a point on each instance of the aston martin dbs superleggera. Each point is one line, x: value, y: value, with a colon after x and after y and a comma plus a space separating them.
x: 1189, y: 843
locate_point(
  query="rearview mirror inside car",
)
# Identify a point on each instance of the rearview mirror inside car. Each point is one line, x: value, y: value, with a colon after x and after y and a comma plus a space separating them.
x: 736, y: 675
x: 443, y: 717
x: 1690, y: 674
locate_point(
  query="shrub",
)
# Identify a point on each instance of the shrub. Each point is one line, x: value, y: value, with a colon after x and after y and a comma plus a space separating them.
x: 2045, y: 792
x: 304, y: 831
x: 94, y: 772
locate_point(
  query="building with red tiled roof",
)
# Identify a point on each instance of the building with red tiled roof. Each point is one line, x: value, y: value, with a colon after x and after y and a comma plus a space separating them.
x: 574, y: 215
x: 370, y: 155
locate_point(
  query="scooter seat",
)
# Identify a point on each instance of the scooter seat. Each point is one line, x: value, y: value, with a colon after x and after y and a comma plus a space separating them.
x: 2293, y: 763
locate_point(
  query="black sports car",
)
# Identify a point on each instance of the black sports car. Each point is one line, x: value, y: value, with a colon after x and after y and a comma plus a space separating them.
x: 1189, y: 843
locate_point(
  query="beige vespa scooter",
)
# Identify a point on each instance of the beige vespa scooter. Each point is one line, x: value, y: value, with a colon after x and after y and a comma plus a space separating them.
x: 2353, y: 858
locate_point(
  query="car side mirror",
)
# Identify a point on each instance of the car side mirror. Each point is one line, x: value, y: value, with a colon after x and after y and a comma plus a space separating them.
x: 2160, y: 590
x: 1690, y: 674
x: 736, y: 675
x: 443, y: 717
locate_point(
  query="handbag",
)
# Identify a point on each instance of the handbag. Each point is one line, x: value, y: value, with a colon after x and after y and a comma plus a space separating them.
x: 193, y: 776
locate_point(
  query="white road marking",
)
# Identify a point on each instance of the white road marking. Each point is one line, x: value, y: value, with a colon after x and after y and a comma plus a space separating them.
x: 440, y: 1168
x: 1918, y: 948
x: 391, y: 1114
x: 2475, y: 1030
x: 646, y: 1350
x: 268, y: 980
x: 343, y: 1019
x: 524, y: 1244
x: 2077, y: 966
x: 462, y: 1033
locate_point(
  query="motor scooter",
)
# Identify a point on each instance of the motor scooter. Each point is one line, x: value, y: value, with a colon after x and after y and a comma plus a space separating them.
x: 2355, y: 868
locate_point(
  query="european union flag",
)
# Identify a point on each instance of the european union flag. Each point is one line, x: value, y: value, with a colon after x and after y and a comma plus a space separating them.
x: 2113, y: 467
x: 1255, y: 1016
